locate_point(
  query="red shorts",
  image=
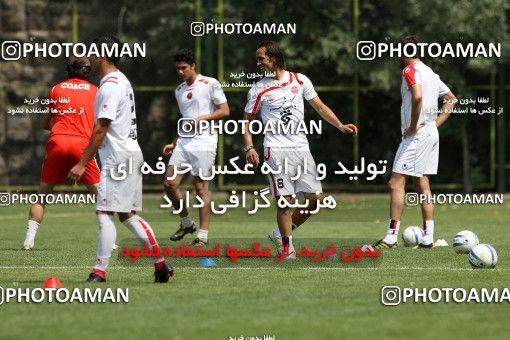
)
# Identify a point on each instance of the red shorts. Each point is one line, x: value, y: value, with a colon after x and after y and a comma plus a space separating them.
x: 62, y: 153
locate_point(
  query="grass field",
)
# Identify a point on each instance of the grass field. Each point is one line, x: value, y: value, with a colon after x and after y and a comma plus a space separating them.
x: 287, y: 303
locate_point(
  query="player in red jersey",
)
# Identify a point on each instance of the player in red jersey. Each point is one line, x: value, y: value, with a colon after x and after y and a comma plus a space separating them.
x: 71, y: 121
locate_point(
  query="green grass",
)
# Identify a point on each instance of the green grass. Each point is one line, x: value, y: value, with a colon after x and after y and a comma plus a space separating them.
x: 290, y: 303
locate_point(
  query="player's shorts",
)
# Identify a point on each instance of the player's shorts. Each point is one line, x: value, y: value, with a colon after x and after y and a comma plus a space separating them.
x: 418, y: 155
x: 198, y: 156
x: 62, y: 153
x: 120, y: 191
x: 287, y: 182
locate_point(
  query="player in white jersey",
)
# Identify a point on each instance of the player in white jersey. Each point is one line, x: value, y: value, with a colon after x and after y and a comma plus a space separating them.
x: 115, y: 139
x: 418, y: 153
x: 280, y: 100
x: 199, y: 98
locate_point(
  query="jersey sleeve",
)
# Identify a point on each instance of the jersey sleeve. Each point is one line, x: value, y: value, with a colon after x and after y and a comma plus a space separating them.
x: 108, y: 98
x: 411, y: 76
x: 252, y: 105
x: 443, y: 89
x: 308, y: 89
x: 217, y: 94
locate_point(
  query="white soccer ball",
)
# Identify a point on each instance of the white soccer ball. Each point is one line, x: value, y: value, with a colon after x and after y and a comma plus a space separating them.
x: 412, y: 236
x: 483, y: 256
x: 464, y: 241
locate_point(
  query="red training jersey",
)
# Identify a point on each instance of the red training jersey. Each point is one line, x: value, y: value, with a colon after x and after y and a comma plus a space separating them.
x: 72, y: 106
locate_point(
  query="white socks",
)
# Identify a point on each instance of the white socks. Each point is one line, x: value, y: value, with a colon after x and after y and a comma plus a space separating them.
x: 392, y: 233
x: 202, y: 234
x: 428, y: 230
x: 144, y: 234
x: 31, y: 232
x: 107, y: 236
x: 287, y: 241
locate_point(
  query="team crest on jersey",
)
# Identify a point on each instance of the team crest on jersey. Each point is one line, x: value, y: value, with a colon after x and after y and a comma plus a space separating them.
x: 268, y: 97
x: 407, y: 69
x: 189, y: 95
x: 294, y: 89
x: 105, y: 107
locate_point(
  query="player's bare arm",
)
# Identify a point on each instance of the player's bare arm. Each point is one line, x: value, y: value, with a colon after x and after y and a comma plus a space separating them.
x: 252, y: 157
x: 416, y: 102
x: 222, y: 112
x: 449, y: 101
x: 168, y: 149
x: 328, y: 115
x: 96, y: 139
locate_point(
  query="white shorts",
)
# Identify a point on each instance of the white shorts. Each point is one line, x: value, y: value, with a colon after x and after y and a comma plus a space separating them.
x: 418, y: 155
x: 122, y: 194
x: 199, y: 157
x: 282, y: 184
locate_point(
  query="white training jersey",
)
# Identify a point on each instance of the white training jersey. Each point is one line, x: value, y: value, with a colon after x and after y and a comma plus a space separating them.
x: 197, y: 99
x: 431, y: 88
x: 281, y: 102
x: 115, y: 101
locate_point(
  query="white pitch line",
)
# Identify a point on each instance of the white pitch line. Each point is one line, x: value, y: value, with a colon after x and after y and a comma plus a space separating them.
x: 265, y: 268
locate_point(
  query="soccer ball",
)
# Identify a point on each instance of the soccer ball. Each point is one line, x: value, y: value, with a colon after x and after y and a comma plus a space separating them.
x: 464, y: 241
x: 483, y: 256
x: 412, y: 236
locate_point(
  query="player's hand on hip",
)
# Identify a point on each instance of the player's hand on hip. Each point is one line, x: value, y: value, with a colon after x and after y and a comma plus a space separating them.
x: 76, y: 172
x: 412, y: 130
x: 350, y: 129
x: 199, y: 119
x: 168, y: 149
x: 252, y: 157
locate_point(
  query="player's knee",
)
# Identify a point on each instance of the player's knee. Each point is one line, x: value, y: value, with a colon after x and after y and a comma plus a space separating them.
x: 202, y: 192
x: 393, y: 184
x: 202, y: 189
x: 314, y: 201
x: 170, y: 185
x: 423, y: 186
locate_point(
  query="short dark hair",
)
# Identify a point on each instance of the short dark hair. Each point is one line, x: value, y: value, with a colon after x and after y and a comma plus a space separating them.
x: 410, y: 39
x: 185, y: 55
x: 108, y: 40
x: 274, y: 52
x: 78, y: 67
